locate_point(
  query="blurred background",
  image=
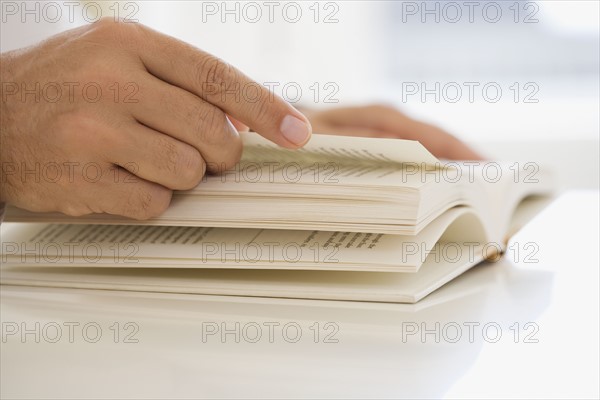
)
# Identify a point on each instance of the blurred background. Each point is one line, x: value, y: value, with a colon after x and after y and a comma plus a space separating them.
x: 517, y: 79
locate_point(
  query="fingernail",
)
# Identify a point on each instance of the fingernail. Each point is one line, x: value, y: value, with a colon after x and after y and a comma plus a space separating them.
x: 295, y: 130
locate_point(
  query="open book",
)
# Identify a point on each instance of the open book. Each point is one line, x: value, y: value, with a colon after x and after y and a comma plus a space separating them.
x: 344, y: 218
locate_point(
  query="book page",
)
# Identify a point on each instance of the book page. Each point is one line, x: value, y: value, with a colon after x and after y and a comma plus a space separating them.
x: 326, y: 160
x: 325, y: 285
x: 340, y: 148
x: 502, y: 186
x: 190, y: 247
x: 377, y: 191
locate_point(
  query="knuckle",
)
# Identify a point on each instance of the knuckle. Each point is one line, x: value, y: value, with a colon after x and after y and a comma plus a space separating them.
x: 105, y: 23
x: 115, y: 31
x: 181, y: 162
x: 148, y: 202
x: 111, y: 25
x: 232, y: 156
x: 211, y: 127
x: 160, y: 201
x: 216, y: 134
x: 167, y: 153
x: 191, y: 168
x: 201, y: 117
x: 216, y: 76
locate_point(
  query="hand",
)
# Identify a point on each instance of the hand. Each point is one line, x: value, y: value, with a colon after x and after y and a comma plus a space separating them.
x: 387, y: 122
x: 111, y: 117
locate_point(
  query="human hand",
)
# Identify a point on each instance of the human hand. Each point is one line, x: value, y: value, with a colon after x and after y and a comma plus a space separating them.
x: 111, y: 117
x: 388, y: 122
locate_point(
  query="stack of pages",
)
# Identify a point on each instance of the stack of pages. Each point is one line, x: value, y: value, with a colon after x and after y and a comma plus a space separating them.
x: 344, y: 218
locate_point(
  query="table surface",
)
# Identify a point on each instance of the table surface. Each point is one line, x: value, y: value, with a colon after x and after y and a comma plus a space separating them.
x: 524, y: 326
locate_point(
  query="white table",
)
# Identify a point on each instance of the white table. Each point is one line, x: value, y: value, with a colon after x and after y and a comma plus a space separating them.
x: 549, y: 307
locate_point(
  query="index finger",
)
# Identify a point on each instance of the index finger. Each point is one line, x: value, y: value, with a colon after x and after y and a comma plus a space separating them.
x: 224, y: 86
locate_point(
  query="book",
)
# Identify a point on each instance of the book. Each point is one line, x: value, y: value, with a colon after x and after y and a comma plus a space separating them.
x: 344, y: 218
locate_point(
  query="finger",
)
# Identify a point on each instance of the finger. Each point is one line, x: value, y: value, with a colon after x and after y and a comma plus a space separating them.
x: 224, y: 86
x: 189, y: 119
x: 132, y: 197
x: 117, y: 192
x: 240, y: 126
x: 156, y: 157
x: 441, y: 143
x: 387, y: 119
x: 455, y: 149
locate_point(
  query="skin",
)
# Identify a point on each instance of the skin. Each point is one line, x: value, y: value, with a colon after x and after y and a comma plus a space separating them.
x: 174, y: 131
x: 388, y: 122
x: 166, y: 114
